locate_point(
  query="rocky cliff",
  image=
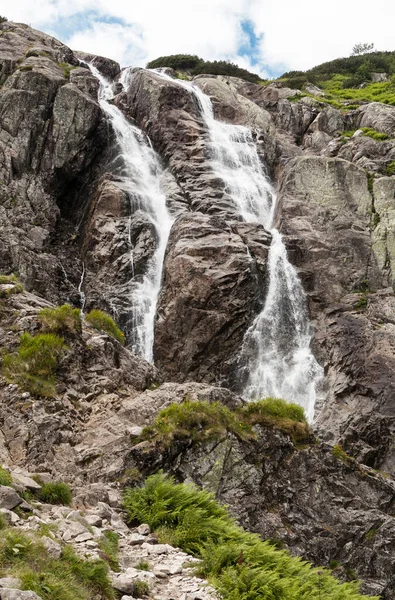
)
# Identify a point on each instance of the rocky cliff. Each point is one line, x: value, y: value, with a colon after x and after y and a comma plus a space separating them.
x: 67, y: 223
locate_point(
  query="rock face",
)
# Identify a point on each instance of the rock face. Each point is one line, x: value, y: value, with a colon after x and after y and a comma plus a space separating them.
x: 212, y: 289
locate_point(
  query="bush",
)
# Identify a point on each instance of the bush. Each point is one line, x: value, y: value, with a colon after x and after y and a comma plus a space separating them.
x: 34, y: 365
x: 103, y: 322
x: 63, y: 319
x: 5, y: 477
x: 3, y: 19
x: 56, y: 493
x: 67, y: 578
x: 239, y: 564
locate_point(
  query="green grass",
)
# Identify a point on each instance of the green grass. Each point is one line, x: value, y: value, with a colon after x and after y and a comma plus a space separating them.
x: 239, y: 564
x: 4, y: 279
x: 375, y: 135
x: 56, y: 493
x: 340, y: 454
x: 5, y: 477
x: 67, y: 578
x: 109, y: 547
x: 201, y: 421
x: 390, y: 168
x: 141, y: 589
x: 17, y: 287
x: 143, y: 565
x: 103, y: 322
x: 63, y: 319
x: 34, y: 365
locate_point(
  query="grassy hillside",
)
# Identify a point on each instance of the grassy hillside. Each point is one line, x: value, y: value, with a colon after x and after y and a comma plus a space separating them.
x: 350, y: 79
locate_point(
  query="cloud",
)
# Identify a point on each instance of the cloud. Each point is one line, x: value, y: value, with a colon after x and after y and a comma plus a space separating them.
x: 263, y: 35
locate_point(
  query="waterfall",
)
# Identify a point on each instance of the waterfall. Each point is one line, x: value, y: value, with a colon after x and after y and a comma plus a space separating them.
x: 275, y: 358
x: 139, y: 175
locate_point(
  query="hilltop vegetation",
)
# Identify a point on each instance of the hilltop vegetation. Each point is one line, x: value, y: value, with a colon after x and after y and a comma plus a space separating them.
x: 195, y: 66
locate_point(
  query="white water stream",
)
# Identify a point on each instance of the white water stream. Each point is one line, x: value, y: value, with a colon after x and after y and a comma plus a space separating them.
x: 276, y: 359
x: 139, y: 175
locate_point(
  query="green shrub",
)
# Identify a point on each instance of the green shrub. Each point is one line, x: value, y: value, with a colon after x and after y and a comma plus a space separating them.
x: 67, y: 578
x: 34, y: 365
x: 3, y: 19
x: 66, y: 69
x: 239, y: 564
x: 63, y: 319
x: 141, y: 588
x: 56, y: 493
x: 5, y: 477
x: 103, y: 322
x: 143, y: 565
x: 390, y: 168
x: 109, y: 546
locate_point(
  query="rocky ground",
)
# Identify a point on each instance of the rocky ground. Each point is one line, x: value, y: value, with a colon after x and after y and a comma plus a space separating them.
x: 167, y: 571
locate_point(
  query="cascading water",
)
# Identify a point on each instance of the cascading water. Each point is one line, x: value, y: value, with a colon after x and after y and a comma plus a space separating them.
x: 139, y: 176
x: 276, y: 359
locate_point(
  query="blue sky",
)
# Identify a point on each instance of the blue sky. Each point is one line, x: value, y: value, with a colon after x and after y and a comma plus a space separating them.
x: 266, y: 36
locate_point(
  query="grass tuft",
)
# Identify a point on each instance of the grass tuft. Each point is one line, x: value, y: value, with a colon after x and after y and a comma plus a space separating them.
x: 5, y: 477
x: 109, y: 547
x: 34, y: 365
x: 62, y: 319
x: 56, y: 493
x: 103, y: 322
x: 239, y: 564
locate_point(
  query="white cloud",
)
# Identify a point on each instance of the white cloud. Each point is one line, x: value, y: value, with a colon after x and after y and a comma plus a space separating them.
x: 296, y: 35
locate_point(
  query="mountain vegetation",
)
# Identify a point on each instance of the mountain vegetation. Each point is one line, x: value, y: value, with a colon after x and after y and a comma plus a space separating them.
x: 195, y: 66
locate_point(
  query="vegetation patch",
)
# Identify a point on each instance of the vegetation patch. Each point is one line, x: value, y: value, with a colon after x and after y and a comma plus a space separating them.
x: 196, y: 65
x: 390, y: 168
x: 103, y: 322
x: 109, y: 547
x: 141, y: 589
x: 56, y: 493
x: 34, y: 365
x: 239, y: 564
x: 67, y: 578
x: 340, y: 454
x: 200, y: 421
x: 63, y: 319
x: 13, y: 286
x: 5, y: 477
x: 375, y: 135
